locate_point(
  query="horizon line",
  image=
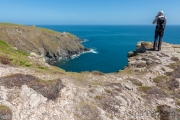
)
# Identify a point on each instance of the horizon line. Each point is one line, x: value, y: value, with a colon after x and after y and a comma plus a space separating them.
x: 98, y: 24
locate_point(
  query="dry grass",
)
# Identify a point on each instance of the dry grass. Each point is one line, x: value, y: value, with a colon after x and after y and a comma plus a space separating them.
x: 97, y: 73
x: 173, y: 65
x: 159, y: 79
x: 136, y: 82
x: 152, y: 90
x: 9, y: 24
x: 147, y: 45
x: 87, y: 111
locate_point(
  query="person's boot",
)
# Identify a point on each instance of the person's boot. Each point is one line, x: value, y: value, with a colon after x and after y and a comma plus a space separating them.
x: 159, y: 49
x: 154, y: 46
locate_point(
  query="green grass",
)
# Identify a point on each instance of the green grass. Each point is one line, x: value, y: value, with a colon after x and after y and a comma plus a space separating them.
x: 47, y: 30
x: 9, y: 24
x: 71, y: 35
x: 2, y: 43
x: 21, y: 52
x: 41, y: 67
x: 16, y: 57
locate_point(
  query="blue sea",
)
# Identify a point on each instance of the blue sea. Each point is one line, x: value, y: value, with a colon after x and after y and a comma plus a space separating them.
x: 110, y: 44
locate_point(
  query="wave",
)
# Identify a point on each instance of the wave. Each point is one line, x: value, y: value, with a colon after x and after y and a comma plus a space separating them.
x: 75, y: 55
x: 85, y: 40
x: 91, y: 51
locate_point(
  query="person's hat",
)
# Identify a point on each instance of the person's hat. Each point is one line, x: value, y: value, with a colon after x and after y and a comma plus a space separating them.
x: 161, y: 12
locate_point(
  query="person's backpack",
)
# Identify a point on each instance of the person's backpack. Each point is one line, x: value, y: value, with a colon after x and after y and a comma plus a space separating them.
x: 161, y: 24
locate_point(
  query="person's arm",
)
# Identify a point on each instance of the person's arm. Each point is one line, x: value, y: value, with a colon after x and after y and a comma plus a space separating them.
x: 155, y: 20
x: 165, y: 22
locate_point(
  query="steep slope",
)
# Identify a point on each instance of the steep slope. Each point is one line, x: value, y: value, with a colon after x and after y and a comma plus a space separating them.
x: 53, y: 45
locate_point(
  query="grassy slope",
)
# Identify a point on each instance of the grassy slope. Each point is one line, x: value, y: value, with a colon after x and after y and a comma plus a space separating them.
x: 14, y: 57
x: 35, y: 39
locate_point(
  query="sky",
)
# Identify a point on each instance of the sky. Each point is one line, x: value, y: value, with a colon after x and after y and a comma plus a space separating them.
x: 88, y: 12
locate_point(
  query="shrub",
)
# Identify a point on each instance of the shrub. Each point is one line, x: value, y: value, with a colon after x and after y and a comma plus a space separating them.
x: 99, y: 97
x: 144, y: 88
x: 136, y: 82
x: 5, y: 113
x: 41, y: 67
x: 175, y: 59
x: 160, y: 78
x: 169, y: 73
x: 27, y: 65
x: 153, y: 90
x: 4, y: 60
x: 108, y: 91
x: 48, y: 88
x: 172, y: 65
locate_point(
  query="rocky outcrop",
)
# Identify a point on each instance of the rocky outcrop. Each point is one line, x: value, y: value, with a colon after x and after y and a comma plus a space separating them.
x: 52, y: 45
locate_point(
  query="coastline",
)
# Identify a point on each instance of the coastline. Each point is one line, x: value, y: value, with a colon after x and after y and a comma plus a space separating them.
x: 76, y: 55
x: 149, y: 82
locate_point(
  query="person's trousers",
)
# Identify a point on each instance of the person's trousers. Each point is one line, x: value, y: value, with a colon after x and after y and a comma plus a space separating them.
x: 158, y: 34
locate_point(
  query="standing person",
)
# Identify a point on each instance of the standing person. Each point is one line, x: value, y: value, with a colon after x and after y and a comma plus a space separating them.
x: 160, y: 21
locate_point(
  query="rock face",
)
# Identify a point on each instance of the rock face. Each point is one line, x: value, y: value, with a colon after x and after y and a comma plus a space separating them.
x: 147, y: 89
x: 53, y: 45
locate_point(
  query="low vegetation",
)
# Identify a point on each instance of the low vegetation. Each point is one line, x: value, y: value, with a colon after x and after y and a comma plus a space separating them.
x: 48, y: 88
x: 136, y: 82
x: 148, y: 90
x: 9, y: 24
x: 4, y: 60
x: 8, y: 55
x: 5, y: 113
x: 97, y: 73
x: 147, y: 45
x: 173, y: 65
x: 175, y: 59
x: 87, y: 111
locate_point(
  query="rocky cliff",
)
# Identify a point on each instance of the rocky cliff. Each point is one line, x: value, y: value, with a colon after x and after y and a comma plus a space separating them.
x: 147, y: 89
x: 53, y: 45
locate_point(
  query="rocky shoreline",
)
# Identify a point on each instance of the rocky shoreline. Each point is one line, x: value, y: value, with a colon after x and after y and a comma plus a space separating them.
x: 70, y: 55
